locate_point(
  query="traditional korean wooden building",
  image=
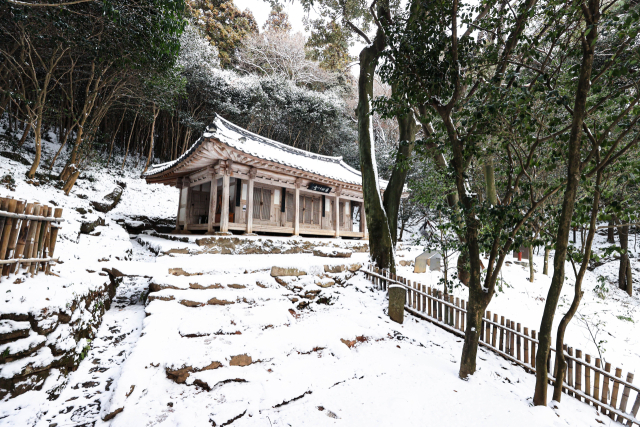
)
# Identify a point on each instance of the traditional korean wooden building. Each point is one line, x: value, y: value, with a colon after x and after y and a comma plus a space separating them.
x: 235, y: 180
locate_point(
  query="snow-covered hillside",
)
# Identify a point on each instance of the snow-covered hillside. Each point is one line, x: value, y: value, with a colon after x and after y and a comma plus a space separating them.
x: 221, y: 341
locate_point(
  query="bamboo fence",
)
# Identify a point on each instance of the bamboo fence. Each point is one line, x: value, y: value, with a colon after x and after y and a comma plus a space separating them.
x: 28, y: 234
x: 587, y: 379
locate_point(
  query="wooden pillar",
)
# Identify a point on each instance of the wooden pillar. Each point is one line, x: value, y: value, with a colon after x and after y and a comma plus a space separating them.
x: 213, y: 199
x: 179, y: 187
x: 336, y: 213
x: 363, y: 220
x: 224, y: 214
x: 252, y: 175
x: 296, y: 206
x: 187, y: 209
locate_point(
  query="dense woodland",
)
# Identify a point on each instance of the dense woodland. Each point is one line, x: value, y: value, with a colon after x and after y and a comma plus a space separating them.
x: 515, y: 123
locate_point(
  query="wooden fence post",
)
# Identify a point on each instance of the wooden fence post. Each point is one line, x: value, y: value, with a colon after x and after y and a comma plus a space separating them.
x: 625, y: 396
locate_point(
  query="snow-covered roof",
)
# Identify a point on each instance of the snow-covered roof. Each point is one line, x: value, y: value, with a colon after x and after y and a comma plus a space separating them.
x: 266, y: 149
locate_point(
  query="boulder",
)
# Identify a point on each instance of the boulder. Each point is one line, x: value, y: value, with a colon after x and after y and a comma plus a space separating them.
x: 216, y: 301
x: 286, y: 271
x: 109, y: 201
x: 332, y: 252
x: 88, y: 227
x: 241, y: 360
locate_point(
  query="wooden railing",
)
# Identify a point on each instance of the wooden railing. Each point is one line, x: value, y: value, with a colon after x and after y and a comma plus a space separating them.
x: 28, y: 234
x: 589, y: 382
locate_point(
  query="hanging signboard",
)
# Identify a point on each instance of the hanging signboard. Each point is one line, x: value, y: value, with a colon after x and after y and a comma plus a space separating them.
x: 319, y: 187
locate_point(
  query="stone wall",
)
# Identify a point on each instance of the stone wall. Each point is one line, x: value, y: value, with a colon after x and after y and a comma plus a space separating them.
x: 37, y: 344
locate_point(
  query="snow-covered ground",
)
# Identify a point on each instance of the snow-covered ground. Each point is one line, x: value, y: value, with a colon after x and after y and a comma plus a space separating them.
x: 338, y: 360
x: 605, y: 327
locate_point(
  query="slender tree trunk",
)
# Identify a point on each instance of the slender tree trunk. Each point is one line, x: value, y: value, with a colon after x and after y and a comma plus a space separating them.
x: 545, y: 270
x: 129, y: 140
x: 153, y: 126
x: 577, y: 295
x: 531, y: 271
x: 380, y: 239
x: 490, y: 181
x: 27, y: 129
x: 113, y: 138
x: 568, y: 203
x: 623, y: 236
x: 393, y: 193
x: 38, y: 142
x: 611, y: 232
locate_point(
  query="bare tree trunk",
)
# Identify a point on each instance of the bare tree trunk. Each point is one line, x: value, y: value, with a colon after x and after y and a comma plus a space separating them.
x: 568, y: 203
x: 113, y: 138
x: 153, y: 126
x: 611, y: 231
x: 490, y: 181
x: 531, y: 271
x: 380, y: 239
x: 577, y: 295
x: 545, y: 270
x: 24, y: 135
x: 129, y: 140
x: 623, y: 237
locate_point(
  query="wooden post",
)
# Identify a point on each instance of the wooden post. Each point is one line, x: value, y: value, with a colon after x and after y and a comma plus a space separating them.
x: 458, y: 313
x: 614, y: 393
x: 424, y: 298
x: 42, y: 241
x: 587, y: 375
x: 463, y: 325
x: 533, y: 349
x: 429, y: 304
x: 22, y: 237
x: 513, y: 339
x: 180, y: 187
x: 518, y: 341
x: 604, y: 397
x: 296, y: 209
x: 187, y: 207
x: 13, y: 238
x: 252, y: 175
x: 636, y: 406
x: 526, y: 346
x: 33, y: 229
x: 8, y: 227
x: 363, y: 218
x: 488, y: 328
x: 213, y: 200
x: 224, y: 213
x: 336, y: 213
x: 596, y: 382
x: 495, y: 330
x: 440, y: 316
x: 4, y: 205
x: 502, y: 348
x: 578, y: 373
x: 569, y: 379
x: 625, y: 396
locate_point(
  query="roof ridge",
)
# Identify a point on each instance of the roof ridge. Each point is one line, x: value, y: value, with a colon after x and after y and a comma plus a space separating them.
x: 283, y: 146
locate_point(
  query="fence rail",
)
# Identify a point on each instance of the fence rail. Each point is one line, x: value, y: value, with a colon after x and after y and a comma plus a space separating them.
x: 589, y: 382
x: 28, y: 235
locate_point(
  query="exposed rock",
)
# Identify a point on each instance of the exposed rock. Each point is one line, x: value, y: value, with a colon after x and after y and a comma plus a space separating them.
x: 236, y: 286
x: 156, y: 287
x: 138, y: 224
x: 189, y: 303
x: 335, y: 268
x: 181, y: 272
x: 199, y: 286
x: 355, y: 267
x: 160, y: 298
x: 261, y: 284
x: 325, y: 282
x: 286, y: 271
x: 332, y: 252
x: 109, y: 201
x: 179, y: 375
x: 11, y: 330
x: 88, y: 227
x: 216, y: 301
x: 213, y: 365
x: 112, y: 415
x: 183, y: 251
x: 240, y: 360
